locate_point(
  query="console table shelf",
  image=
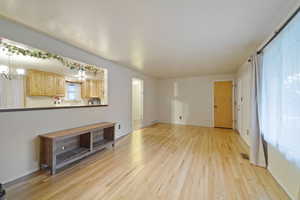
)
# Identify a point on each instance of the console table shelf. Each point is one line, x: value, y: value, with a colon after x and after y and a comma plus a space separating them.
x: 101, y: 144
x: 61, y: 148
x: 71, y: 156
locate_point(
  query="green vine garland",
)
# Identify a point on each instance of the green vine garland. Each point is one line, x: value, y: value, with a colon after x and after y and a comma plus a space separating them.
x: 46, y: 55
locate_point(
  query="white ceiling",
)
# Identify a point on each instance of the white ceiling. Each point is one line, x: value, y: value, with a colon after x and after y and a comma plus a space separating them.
x: 161, y: 38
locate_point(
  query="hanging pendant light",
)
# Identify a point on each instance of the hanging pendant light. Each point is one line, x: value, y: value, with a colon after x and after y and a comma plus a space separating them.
x: 9, y: 72
x: 81, y: 75
x: 4, y: 71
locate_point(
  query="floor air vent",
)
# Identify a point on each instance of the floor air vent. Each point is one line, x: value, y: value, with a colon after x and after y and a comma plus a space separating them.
x: 245, y: 156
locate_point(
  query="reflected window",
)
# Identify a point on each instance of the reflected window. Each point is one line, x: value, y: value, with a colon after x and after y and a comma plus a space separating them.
x: 73, y: 92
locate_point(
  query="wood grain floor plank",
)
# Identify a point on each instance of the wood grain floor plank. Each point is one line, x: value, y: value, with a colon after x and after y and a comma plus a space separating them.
x: 161, y: 162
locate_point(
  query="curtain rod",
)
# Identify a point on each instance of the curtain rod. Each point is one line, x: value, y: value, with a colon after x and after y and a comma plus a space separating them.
x: 279, y: 30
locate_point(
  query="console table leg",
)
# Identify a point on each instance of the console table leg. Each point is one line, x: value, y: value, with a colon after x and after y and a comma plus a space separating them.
x: 53, y: 159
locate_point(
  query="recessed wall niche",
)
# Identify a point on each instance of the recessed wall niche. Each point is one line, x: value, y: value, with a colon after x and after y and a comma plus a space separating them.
x: 33, y: 78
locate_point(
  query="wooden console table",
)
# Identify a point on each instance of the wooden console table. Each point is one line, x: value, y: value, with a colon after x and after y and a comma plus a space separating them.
x: 61, y: 148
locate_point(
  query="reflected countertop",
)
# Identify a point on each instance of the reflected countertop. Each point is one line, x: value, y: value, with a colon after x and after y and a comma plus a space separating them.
x: 48, y: 108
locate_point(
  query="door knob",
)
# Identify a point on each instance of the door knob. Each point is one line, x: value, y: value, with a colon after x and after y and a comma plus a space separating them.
x: 215, y: 106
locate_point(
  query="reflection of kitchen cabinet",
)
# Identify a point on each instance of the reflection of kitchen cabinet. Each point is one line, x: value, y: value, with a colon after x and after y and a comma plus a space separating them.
x: 60, y: 85
x: 34, y: 80
x: 92, y: 89
x: 41, y: 83
x: 49, y: 84
x: 101, y: 89
x: 84, y: 89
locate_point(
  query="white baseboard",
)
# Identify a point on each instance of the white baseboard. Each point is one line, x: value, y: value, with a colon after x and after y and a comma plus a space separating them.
x: 187, y: 124
x: 28, y: 173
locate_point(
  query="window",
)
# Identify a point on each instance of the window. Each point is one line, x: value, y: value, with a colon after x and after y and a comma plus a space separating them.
x: 280, y: 98
x: 73, y: 91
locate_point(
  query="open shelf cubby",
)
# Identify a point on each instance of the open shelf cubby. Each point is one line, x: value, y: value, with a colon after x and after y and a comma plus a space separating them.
x: 101, y: 144
x: 69, y: 156
x: 72, y: 149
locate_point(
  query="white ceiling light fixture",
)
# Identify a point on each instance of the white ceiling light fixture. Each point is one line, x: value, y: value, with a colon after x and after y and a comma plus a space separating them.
x: 4, y: 69
x: 20, y: 71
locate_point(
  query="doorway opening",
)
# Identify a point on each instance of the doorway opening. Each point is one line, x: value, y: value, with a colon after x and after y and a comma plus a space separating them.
x: 137, y: 103
x: 223, y: 104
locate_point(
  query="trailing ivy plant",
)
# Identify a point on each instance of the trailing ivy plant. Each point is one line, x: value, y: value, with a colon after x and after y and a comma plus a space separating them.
x: 46, y: 55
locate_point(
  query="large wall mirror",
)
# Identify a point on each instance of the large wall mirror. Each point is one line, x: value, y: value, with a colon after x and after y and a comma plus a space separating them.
x: 32, y: 78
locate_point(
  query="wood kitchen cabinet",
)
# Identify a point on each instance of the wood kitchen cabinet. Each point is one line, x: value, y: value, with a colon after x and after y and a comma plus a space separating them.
x: 34, y: 82
x: 84, y: 90
x: 60, y: 85
x: 92, y: 89
x: 40, y: 83
x: 49, y: 84
x: 100, y: 89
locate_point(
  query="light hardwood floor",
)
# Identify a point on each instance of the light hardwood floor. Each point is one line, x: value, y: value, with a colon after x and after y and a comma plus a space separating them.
x: 162, y: 162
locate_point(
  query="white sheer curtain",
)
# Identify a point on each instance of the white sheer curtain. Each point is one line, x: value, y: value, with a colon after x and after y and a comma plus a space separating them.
x: 258, y: 152
x: 280, y: 102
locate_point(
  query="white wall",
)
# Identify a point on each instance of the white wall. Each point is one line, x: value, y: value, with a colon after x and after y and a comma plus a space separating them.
x: 19, y: 130
x: 137, y: 100
x: 244, y: 79
x: 286, y: 173
x: 191, y: 98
